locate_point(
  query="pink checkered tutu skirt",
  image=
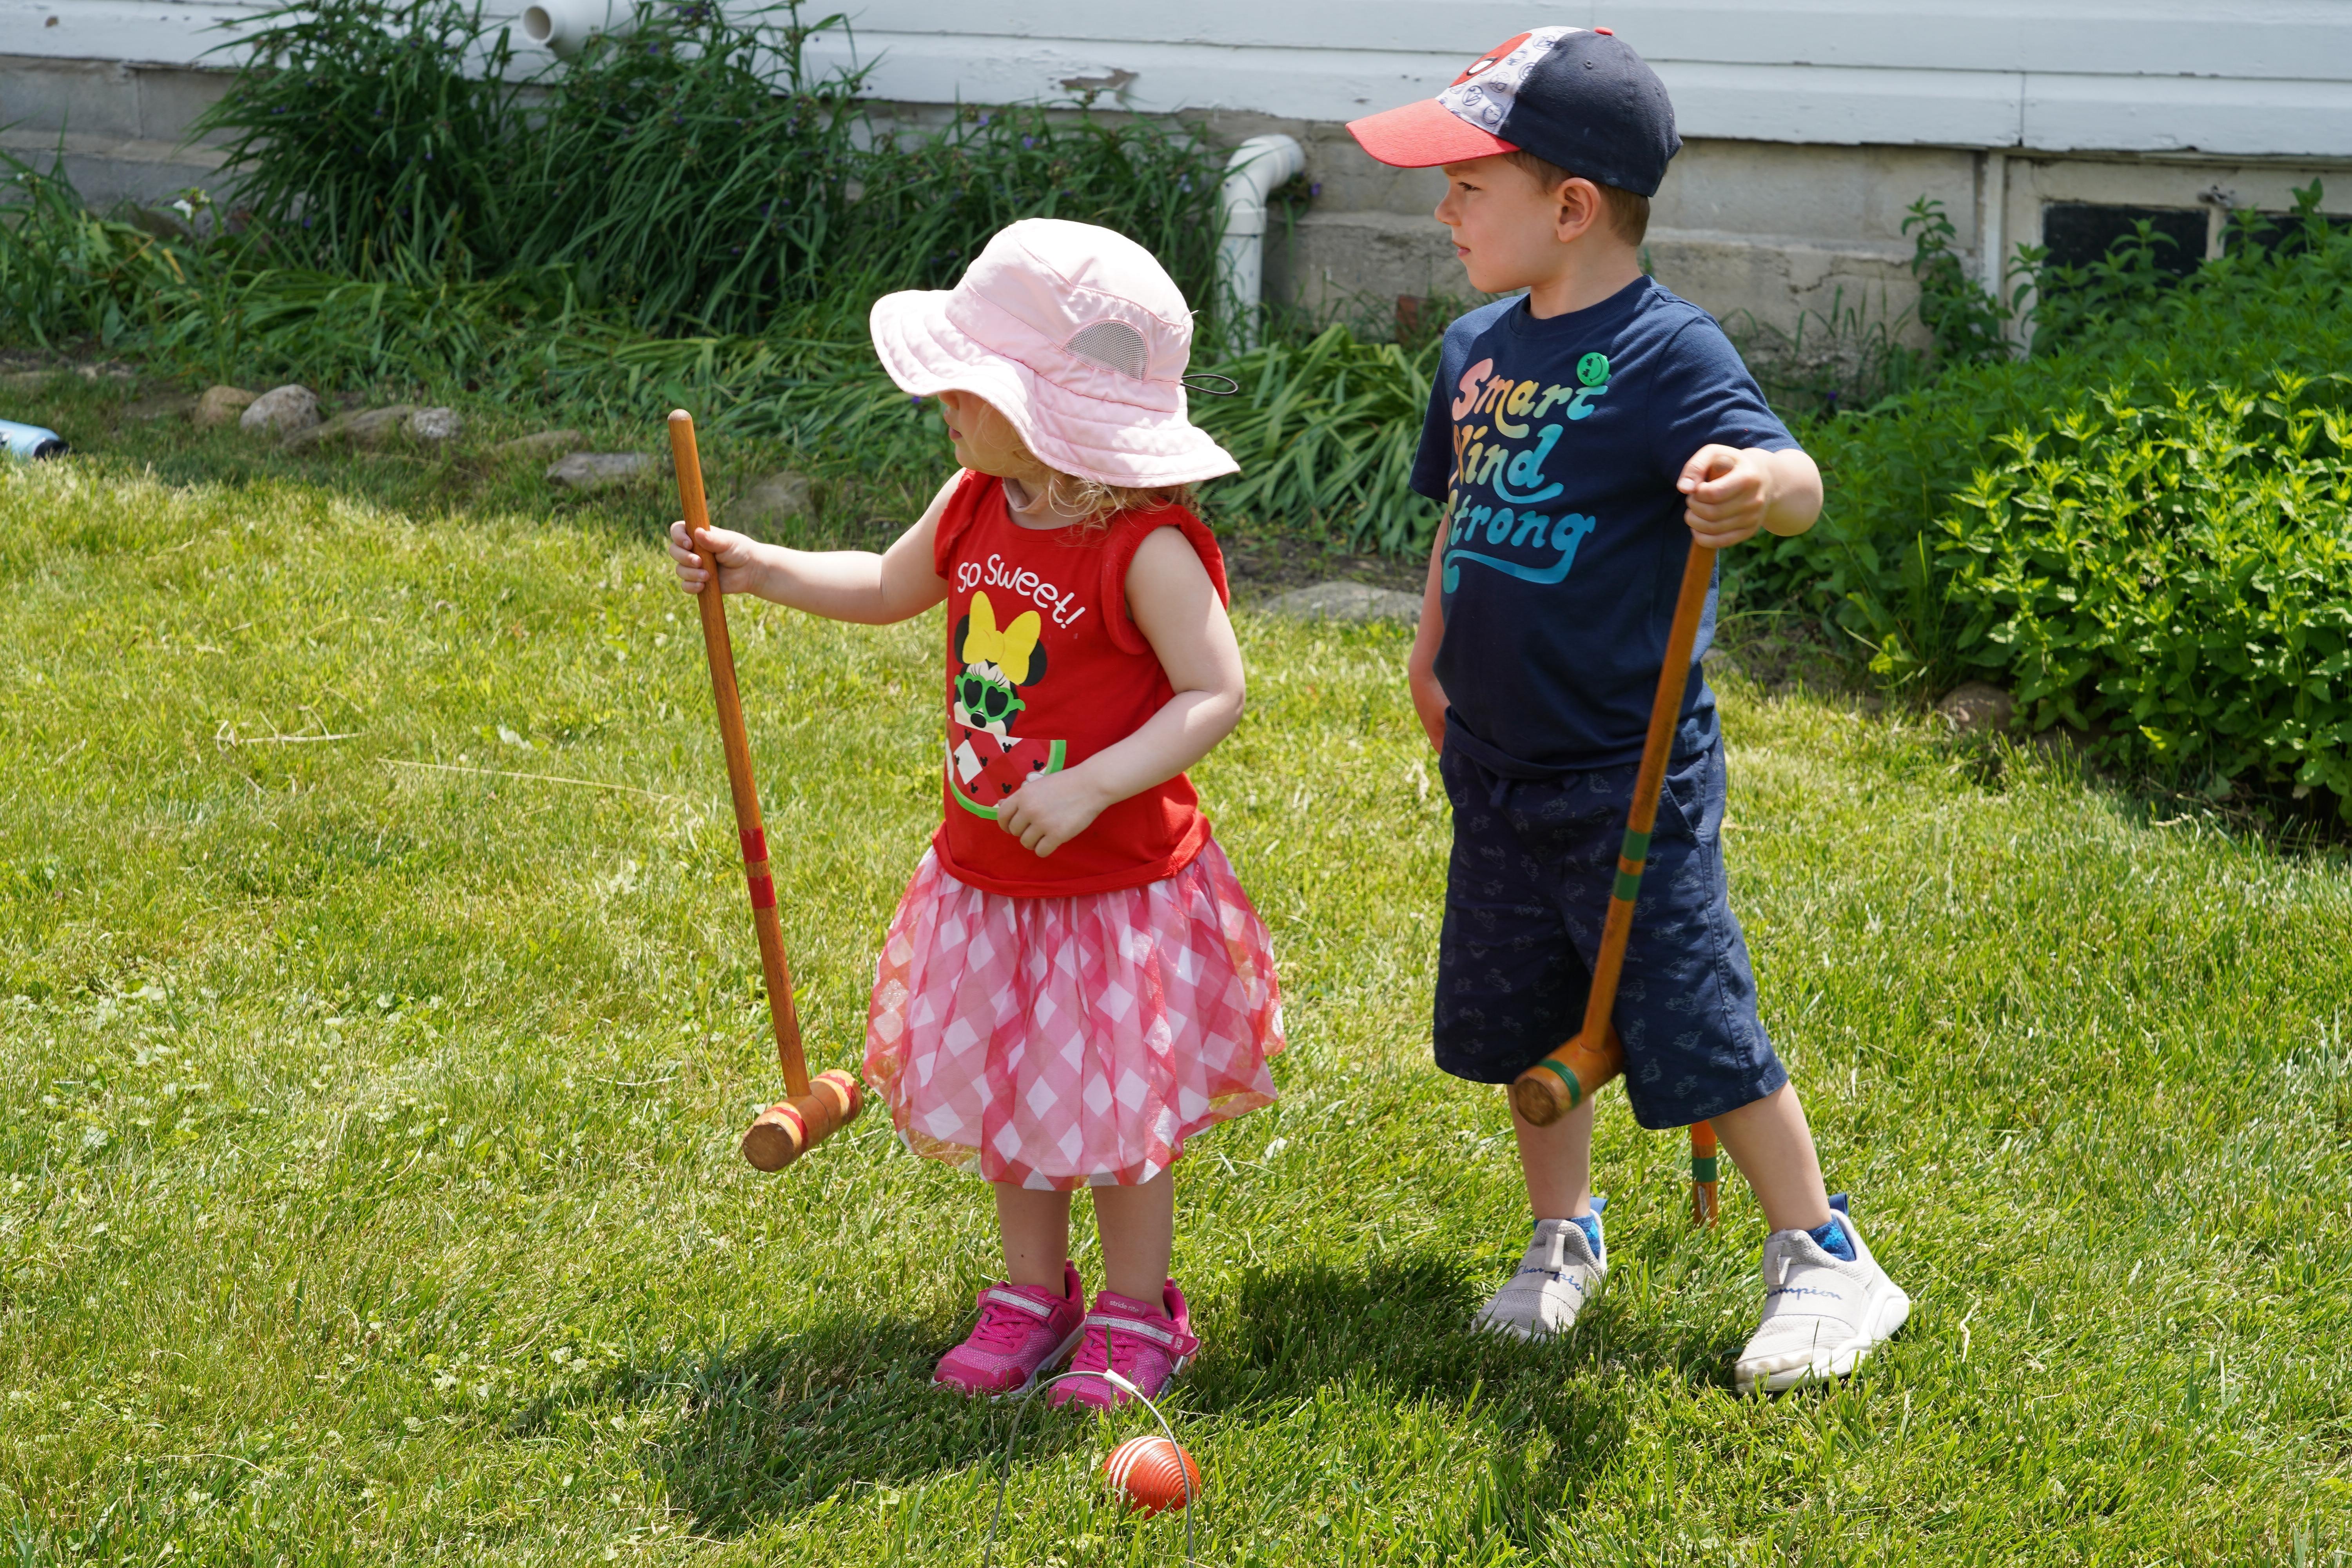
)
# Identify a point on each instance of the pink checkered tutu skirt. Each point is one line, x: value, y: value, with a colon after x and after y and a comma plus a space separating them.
x: 1062, y: 1043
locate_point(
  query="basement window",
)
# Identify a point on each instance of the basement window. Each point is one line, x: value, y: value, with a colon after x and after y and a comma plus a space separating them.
x: 2078, y: 234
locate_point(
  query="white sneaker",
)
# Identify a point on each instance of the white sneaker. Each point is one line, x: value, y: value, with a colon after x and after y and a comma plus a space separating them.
x: 1561, y: 1271
x: 1822, y: 1314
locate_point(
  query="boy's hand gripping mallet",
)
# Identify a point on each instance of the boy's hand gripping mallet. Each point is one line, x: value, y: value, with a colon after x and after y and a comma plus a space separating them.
x: 1575, y: 1072
x: 818, y: 1107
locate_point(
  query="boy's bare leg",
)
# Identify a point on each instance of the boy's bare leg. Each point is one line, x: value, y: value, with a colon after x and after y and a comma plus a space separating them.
x: 1558, y: 1163
x: 1036, y: 1226
x: 1824, y: 1310
x: 1768, y: 1140
x: 1564, y: 1265
x: 1138, y: 1229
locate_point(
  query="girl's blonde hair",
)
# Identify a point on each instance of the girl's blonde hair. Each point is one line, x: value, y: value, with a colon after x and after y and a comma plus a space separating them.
x: 1090, y: 504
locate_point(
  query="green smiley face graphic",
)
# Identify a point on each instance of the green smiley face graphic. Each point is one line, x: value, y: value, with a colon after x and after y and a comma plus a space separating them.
x: 1593, y: 370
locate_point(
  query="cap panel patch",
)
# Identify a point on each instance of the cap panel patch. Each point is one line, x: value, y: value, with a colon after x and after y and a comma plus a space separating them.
x: 1490, y: 59
x: 1484, y: 94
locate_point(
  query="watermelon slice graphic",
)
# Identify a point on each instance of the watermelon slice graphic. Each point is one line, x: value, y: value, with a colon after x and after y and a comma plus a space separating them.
x: 986, y: 769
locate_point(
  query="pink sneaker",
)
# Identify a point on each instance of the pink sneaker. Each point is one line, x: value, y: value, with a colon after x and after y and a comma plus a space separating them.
x: 1126, y: 1336
x: 1023, y: 1331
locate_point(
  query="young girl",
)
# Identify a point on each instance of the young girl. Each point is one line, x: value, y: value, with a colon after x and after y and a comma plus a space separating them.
x: 1074, y: 983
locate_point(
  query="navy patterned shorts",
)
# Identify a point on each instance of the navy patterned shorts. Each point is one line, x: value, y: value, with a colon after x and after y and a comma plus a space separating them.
x: 1526, y: 893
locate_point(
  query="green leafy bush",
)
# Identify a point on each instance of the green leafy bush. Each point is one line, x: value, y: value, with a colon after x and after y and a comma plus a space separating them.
x: 1944, y: 553
x: 2173, y: 573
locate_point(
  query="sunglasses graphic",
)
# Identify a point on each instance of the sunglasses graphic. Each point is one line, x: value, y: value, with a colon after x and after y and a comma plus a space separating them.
x: 985, y: 699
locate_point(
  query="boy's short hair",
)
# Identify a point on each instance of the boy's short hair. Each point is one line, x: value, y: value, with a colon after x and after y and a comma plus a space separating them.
x: 1629, y: 215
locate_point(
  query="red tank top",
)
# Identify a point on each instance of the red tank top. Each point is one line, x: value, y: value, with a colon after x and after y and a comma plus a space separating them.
x: 1045, y: 667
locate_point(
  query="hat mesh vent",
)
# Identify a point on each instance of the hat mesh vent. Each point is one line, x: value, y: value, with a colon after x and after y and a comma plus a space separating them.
x: 1113, y: 345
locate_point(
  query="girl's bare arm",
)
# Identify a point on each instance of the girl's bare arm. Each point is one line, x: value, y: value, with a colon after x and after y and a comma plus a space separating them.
x: 839, y: 585
x: 1177, y: 609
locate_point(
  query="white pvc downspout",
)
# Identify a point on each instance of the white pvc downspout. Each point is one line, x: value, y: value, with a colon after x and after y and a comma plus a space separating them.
x: 565, y: 27
x: 1257, y: 167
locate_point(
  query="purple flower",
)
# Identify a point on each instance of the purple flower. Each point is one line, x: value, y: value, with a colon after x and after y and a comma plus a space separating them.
x: 1028, y: 141
x: 1315, y: 189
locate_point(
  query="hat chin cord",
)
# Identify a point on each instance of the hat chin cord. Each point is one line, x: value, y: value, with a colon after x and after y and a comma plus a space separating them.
x: 1257, y: 167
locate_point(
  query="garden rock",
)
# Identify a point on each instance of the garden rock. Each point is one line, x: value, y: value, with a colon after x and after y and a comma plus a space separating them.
x: 599, y: 470
x: 221, y: 405
x: 772, y: 502
x: 540, y: 445
x: 280, y: 411
x: 434, y: 426
x: 365, y: 427
x: 1347, y: 602
x: 1977, y: 708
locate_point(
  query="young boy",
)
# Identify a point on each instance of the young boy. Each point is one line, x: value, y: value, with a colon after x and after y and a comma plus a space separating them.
x: 1581, y: 436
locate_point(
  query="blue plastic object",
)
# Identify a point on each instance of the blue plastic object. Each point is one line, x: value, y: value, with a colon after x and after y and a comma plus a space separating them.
x: 30, y: 441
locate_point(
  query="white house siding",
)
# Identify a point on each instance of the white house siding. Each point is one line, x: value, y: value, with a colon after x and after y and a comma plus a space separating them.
x: 2271, y: 77
x: 1811, y: 124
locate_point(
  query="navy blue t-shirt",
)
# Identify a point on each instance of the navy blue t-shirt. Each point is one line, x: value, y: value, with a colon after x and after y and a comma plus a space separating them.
x: 1555, y: 446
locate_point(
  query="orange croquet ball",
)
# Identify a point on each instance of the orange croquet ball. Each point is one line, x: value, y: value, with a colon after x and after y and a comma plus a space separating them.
x: 1148, y: 1475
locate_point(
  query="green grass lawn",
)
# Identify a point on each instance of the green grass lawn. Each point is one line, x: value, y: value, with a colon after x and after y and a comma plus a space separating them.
x: 378, y: 1014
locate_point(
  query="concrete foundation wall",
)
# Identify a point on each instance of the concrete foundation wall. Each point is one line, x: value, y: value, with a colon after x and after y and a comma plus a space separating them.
x: 1792, y: 244
x: 123, y: 127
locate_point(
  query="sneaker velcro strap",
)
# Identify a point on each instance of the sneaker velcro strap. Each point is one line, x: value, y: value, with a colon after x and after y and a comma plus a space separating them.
x: 1173, y: 1337
x: 1003, y: 1297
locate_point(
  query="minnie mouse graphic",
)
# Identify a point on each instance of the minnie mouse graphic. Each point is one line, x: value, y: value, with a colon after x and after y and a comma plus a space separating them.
x: 986, y: 759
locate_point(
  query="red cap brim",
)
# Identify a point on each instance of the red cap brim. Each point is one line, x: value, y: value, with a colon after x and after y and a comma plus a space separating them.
x: 1424, y: 135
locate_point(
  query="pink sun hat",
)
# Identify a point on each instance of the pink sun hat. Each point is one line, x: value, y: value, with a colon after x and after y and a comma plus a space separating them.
x: 1076, y: 335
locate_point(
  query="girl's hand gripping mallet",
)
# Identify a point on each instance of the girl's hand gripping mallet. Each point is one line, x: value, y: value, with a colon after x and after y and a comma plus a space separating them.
x: 1575, y: 1072
x: 786, y: 1131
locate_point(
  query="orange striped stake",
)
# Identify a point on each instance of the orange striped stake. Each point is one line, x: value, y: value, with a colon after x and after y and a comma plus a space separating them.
x: 813, y: 1109
x: 1707, y: 1206
x: 1572, y: 1074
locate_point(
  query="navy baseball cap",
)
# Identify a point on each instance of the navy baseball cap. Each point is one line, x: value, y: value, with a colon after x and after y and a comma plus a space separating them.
x: 1580, y: 98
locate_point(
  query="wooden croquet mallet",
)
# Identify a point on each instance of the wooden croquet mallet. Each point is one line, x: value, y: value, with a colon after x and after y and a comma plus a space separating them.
x: 816, y: 1107
x: 1575, y: 1072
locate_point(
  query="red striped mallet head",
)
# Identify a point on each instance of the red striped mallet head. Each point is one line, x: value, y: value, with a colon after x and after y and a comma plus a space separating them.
x: 791, y: 1128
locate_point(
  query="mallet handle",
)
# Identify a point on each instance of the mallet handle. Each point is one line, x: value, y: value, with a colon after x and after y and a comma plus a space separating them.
x: 1583, y: 1064
x: 1705, y: 1200
x: 748, y: 829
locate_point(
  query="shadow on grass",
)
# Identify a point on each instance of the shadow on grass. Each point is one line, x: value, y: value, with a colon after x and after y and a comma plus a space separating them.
x: 778, y: 1423
x: 775, y: 1424
x: 1397, y: 1330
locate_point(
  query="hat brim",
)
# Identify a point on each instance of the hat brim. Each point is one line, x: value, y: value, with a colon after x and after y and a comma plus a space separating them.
x: 1424, y: 135
x: 1095, y: 438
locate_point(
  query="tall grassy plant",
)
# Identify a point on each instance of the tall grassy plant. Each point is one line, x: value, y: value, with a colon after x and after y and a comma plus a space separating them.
x: 694, y: 174
x: 365, y: 133
x: 1325, y: 436
x: 931, y: 202
x: 66, y: 273
x: 694, y: 171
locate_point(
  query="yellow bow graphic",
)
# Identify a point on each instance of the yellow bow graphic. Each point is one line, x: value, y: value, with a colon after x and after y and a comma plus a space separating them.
x: 1008, y: 649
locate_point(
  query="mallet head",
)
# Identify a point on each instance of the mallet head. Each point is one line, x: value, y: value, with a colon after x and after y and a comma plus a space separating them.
x: 1566, y: 1079
x: 791, y: 1128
